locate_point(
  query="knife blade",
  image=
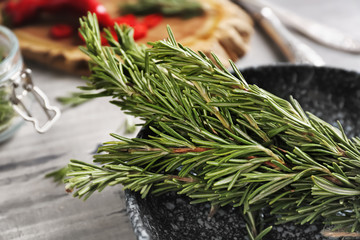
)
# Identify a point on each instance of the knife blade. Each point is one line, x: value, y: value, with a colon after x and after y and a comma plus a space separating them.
x: 320, y: 33
x: 293, y: 49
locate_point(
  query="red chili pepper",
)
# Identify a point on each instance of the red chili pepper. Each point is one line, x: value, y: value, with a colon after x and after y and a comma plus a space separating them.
x: 103, y: 40
x: 128, y: 19
x: 113, y: 33
x: 94, y: 6
x: 140, y: 31
x: 152, y: 20
x: 61, y: 31
x: 17, y: 12
x: 81, y: 36
x: 20, y: 11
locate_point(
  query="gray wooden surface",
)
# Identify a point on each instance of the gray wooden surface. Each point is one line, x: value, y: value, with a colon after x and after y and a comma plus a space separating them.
x: 32, y: 207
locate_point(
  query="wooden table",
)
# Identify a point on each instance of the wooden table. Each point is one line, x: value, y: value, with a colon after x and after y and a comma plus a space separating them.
x: 32, y: 207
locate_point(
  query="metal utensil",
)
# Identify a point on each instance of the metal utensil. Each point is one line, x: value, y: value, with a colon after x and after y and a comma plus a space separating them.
x: 292, y: 48
x: 320, y: 33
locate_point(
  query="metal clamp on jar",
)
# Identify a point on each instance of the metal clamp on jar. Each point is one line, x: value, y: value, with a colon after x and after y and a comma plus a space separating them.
x: 18, y: 94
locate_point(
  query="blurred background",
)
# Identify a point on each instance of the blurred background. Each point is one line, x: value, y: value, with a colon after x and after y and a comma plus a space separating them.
x: 33, y: 207
x: 340, y: 15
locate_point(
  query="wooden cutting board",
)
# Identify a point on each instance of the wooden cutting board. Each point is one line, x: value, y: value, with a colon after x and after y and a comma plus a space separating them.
x: 224, y: 29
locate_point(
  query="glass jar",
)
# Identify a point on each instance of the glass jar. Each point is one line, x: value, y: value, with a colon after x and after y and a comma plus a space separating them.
x: 18, y: 94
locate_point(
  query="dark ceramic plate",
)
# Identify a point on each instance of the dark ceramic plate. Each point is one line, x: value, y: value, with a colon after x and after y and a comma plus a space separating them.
x: 331, y: 94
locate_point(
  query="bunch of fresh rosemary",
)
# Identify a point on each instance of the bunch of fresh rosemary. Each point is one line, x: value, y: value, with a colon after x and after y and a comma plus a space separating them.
x: 215, y: 138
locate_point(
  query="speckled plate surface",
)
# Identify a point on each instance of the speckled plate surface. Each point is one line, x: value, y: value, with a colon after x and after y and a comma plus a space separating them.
x: 330, y: 93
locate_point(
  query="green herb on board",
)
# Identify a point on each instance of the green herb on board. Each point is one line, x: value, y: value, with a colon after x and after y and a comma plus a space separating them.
x: 215, y: 138
x: 58, y: 175
x: 73, y: 99
x: 182, y: 8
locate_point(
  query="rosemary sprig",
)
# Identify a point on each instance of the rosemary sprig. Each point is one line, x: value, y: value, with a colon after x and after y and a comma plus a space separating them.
x: 215, y: 138
x: 73, y: 99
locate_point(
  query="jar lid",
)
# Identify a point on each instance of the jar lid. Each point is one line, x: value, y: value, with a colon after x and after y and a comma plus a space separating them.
x: 12, y: 71
x: 9, y: 47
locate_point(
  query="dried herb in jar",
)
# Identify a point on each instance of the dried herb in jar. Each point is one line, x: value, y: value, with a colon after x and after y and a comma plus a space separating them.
x: 6, y: 111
